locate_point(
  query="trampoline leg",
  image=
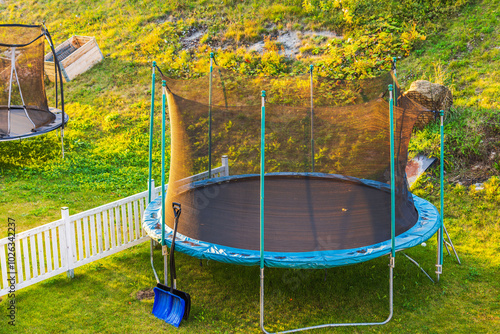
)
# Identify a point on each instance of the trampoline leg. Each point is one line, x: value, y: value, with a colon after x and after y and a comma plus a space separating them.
x: 391, y: 307
x: 391, y: 291
x: 12, y: 66
x: 451, y: 244
x: 165, y: 264
x: 446, y: 244
x: 262, y: 300
x: 418, y: 265
x: 439, y: 261
x: 152, y: 263
x: 62, y: 140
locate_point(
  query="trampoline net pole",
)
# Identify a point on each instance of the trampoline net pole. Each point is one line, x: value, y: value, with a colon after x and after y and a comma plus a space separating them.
x: 451, y: 244
x: 210, y: 117
x: 163, y: 194
x: 395, y: 76
x: 151, y: 123
x: 22, y: 50
x: 439, y: 264
x: 49, y: 40
x: 262, y: 172
x: 51, y: 45
x: 152, y: 245
x: 57, y: 70
x: 393, y: 181
x: 312, y: 119
x: 22, y: 99
x: 150, y: 177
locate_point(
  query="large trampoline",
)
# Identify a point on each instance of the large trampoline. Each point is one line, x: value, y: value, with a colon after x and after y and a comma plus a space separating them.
x: 312, y: 177
x: 24, y: 111
x: 326, y: 171
x: 309, y: 225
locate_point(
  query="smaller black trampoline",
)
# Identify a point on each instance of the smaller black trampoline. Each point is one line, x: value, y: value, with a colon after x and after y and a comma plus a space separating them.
x: 24, y: 111
x: 22, y: 125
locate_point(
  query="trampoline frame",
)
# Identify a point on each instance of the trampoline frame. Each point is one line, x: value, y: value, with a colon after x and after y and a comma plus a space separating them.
x: 392, y: 103
x: 64, y: 118
x: 422, y: 230
x: 56, y: 124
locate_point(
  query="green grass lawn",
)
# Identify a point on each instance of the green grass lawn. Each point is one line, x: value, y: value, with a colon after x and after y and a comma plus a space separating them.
x: 102, y: 296
x: 455, y: 43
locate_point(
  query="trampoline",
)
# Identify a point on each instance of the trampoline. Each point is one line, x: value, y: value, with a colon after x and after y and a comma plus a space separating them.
x: 24, y: 111
x: 327, y: 183
x: 313, y: 228
x: 21, y: 123
x: 313, y: 177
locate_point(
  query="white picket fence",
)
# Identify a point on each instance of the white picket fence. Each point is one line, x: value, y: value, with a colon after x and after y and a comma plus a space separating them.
x: 72, y: 241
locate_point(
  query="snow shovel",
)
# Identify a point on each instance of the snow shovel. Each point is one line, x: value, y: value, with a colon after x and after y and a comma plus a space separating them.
x: 170, y: 304
x: 173, y: 276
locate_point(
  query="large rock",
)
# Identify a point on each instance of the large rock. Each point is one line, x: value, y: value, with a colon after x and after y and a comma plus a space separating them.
x: 433, y: 96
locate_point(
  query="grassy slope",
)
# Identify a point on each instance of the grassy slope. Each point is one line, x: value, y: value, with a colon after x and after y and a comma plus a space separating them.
x: 464, y: 57
x: 110, y: 104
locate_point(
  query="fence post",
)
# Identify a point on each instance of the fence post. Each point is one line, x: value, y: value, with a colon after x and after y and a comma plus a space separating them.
x: 68, y: 243
x: 154, y: 195
x: 152, y: 186
x: 225, y: 164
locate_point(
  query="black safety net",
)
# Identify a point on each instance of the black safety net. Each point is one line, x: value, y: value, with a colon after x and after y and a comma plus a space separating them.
x: 21, y: 77
x: 327, y: 165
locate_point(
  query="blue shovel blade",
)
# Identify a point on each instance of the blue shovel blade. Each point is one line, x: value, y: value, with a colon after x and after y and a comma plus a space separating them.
x: 168, y: 307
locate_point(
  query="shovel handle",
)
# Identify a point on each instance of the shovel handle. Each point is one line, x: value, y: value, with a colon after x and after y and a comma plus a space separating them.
x: 177, y: 209
x: 177, y: 212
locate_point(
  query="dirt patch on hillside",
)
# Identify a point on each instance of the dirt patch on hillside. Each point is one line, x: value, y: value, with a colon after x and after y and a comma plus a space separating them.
x: 289, y: 41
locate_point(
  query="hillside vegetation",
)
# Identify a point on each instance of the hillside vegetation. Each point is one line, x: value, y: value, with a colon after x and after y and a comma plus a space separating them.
x: 455, y: 43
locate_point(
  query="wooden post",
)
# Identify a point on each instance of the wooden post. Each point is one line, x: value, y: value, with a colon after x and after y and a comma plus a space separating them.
x: 154, y: 194
x: 67, y: 243
x: 225, y: 163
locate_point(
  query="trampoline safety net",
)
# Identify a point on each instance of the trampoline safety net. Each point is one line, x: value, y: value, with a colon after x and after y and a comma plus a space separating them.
x: 22, y: 74
x: 327, y: 164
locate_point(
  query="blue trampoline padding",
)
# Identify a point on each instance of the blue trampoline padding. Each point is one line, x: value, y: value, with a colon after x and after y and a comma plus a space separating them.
x: 426, y: 226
